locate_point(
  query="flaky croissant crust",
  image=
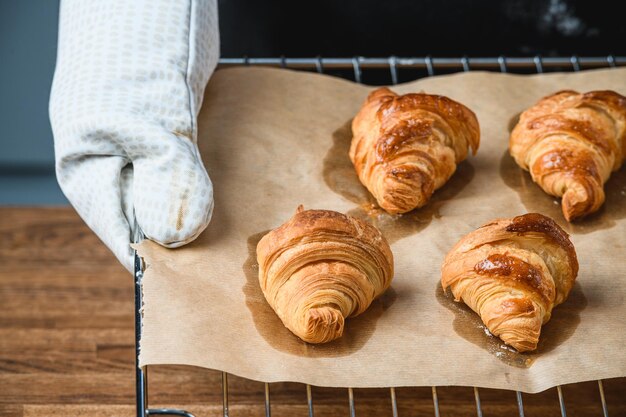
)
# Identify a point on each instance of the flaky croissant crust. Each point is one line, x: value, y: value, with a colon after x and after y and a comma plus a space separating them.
x: 570, y: 143
x: 321, y: 267
x: 513, y: 272
x: 405, y: 147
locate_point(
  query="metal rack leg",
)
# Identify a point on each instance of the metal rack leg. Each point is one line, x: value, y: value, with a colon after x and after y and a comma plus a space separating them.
x: 479, y: 410
x: 430, y: 68
x: 351, y: 401
x: 502, y: 63
x: 561, y: 401
x: 394, y: 402
x: 538, y: 64
x: 605, y: 409
x: 356, y: 66
x: 319, y: 67
x: 141, y: 373
x: 520, y: 404
x: 309, y: 399
x: 611, y: 61
x: 225, y: 393
x: 268, y: 405
x: 141, y: 381
x: 393, y: 69
x: 465, y: 64
x: 435, y: 402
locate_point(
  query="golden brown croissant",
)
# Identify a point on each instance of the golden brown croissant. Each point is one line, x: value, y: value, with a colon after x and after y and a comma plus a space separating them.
x: 321, y: 267
x: 570, y: 143
x: 512, y: 272
x: 405, y: 147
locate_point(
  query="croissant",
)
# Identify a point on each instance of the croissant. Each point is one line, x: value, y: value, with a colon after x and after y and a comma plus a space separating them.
x: 570, y: 143
x: 321, y: 267
x: 513, y: 272
x: 405, y: 147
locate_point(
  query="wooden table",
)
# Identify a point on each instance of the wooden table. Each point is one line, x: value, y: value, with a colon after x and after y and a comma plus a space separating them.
x: 67, y: 345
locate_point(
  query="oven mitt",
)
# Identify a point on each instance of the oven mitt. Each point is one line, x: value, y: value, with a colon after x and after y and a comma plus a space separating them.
x: 127, y: 89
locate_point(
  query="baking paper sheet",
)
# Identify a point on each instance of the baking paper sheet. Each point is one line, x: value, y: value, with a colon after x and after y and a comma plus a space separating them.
x: 273, y: 139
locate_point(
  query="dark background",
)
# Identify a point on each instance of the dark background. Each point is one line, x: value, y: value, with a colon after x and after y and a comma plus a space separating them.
x: 418, y: 28
x: 330, y: 28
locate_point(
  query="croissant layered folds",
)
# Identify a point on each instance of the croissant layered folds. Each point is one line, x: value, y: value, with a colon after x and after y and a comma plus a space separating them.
x: 405, y: 147
x: 570, y: 143
x: 321, y: 267
x: 513, y: 272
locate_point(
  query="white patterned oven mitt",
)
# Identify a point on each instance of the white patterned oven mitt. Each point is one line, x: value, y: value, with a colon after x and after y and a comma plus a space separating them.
x: 128, y: 86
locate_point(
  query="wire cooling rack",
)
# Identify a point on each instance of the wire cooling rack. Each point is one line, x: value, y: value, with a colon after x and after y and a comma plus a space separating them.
x: 394, y: 70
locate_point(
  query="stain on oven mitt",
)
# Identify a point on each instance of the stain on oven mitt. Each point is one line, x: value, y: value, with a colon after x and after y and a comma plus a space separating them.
x: 127, y: 89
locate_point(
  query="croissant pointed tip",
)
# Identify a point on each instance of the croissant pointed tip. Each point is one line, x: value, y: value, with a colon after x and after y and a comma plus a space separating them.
x: 576, y: 203
x: 568, y: 215
x: 520, y: 325
x: 521, y: 345
x: 323, y: 324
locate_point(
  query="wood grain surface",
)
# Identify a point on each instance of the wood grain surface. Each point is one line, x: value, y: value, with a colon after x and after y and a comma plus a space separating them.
x: 67, y: 346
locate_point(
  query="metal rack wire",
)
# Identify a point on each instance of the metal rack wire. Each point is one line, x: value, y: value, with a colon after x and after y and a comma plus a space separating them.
x: 355, y: 67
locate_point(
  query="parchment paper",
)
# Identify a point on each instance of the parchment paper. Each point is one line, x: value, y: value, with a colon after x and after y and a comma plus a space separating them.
x: 272, y: 139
